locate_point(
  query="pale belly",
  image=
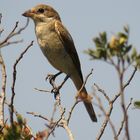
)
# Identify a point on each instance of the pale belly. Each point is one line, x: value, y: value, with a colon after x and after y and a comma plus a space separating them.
x: 58, y: 57
x: 54, y: 50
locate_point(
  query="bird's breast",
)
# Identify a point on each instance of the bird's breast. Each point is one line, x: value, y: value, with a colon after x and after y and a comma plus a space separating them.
x: 53, y: 49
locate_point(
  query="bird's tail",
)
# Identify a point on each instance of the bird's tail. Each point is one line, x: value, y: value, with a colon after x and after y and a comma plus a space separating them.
x: 83, y: 95
x: 90, y: 111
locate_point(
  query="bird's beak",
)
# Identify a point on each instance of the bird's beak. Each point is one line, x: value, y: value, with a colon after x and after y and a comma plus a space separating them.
x: 28, y: 13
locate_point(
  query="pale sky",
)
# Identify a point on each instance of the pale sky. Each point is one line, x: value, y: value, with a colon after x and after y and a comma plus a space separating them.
x: 84, y: 20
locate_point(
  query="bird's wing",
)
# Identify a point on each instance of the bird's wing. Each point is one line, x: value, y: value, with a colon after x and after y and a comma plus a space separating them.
x: 68, y: 43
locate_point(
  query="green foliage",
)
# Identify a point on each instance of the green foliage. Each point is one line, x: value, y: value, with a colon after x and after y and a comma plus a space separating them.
x: 137, y: 104
x: 117, y: 47
x: 17, y: 131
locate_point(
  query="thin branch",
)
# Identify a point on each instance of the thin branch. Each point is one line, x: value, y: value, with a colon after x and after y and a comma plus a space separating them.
x: 65, y: 126
x: 38, y: 115
x: 11, y: 42
x: 71, y: 110
x: 42, y: 90
x: 123, y: 105
x: 10, y: 35
x: 85, y: 81
x: 0, y: 17
x: 13, y: 33
x: 1, y: 129
x: 131, y: 77
x: 105, y: 122
x: 9, y: 105
x: 103, y: 92
x: 3, y: 88
x: 57, y: 123
x: 123, y: 121
x: 1, y: 30
x: 14, y: 81
x: 107, y: 118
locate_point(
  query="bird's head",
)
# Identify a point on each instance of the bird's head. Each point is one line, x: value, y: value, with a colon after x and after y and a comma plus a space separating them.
x: 42, y: 13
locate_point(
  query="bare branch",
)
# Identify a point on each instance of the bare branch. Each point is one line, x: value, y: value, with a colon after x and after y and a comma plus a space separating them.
x: 103, y: 92
x: 71, y: 110
x: 65, y: 126
x: 0, y: 17
x: 85, y: 81
x: 105, y: 122
x: 123, y: 121
x: 107, y: 117
x: 1, y: 129
x: 42, y: 90
x: 38, y: 115
x: 1, y: 30
x: 3, y: 88
x: 131, y: 77
x: 57, y: 123
x: 10, y: 43
x: 13, y: 33
x: 14, y: 81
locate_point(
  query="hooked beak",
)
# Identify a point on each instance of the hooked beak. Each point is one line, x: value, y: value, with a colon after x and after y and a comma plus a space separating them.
x: 28, y: 13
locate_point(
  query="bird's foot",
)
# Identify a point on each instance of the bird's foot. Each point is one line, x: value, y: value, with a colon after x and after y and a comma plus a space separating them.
x: 51, y: 77
x: 55, y: 91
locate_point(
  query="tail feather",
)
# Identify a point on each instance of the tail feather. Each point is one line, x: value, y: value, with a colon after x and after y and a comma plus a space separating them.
x: 83, y: 95
x: 90, y: 111
x: 86, y: 98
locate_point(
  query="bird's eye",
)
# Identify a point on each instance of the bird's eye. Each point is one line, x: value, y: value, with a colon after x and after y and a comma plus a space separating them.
x: 41, y: 10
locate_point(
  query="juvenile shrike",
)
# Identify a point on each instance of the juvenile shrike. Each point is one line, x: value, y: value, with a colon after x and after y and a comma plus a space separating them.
x: 58, y: 47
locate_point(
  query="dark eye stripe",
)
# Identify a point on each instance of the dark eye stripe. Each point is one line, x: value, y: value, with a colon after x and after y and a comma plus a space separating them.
x: 40, y: 10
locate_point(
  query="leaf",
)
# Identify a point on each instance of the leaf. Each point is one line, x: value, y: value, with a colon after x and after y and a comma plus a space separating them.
x: 127, y: 59
x: 134, y: 54
x: 93, y: 53
x: 122, y: 35
x: 126, y: 29
x: 127, y: 49
x: 97, y: 42
x: 137, y: 104
x: 103, y: 37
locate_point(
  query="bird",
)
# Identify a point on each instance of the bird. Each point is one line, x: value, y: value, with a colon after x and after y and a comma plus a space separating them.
x: 58, y: 47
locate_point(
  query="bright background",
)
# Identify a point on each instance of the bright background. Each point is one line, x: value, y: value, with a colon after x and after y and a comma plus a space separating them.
x: 84, y: 20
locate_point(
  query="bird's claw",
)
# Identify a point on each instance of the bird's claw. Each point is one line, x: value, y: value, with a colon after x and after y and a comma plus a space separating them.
x: 50, y: 77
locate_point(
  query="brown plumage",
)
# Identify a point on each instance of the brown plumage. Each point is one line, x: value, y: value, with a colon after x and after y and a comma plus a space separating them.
x: 58, y: 47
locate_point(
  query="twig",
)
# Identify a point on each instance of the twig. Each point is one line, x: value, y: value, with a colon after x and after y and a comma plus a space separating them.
x: 8, y: 104
x: 121, y: 78
x: 3, y: 88
x: 131, y: 77
x: 10, y: 43
x: 38, y: 115
x: 42, y: 90
x: 108, y: 113
x: 107, y: 117
x: 57, y: 123
x: 103, y: 92
x: 105, y: 122
x: 14, y: 81
x: 0, y: 17
x: 71, y: 110
x: 123, y: 121
x: 65, y: 126
x: 85, y: 81
x: 13, y: 33
x: 1, y: 129
x: 1, y: 30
